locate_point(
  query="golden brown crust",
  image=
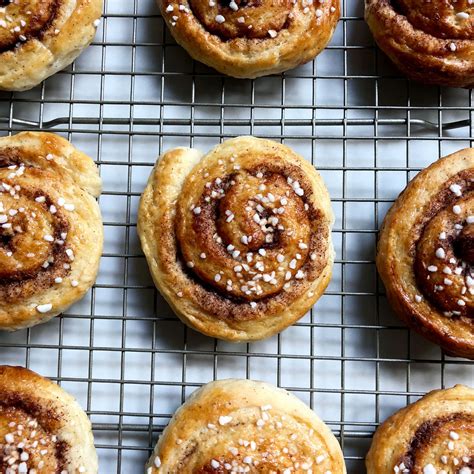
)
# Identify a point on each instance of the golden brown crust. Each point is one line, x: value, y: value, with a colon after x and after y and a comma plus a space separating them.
x: 251, y: 38
x: 247, y: 425
x: 50, y: 227
x: 426, y: 271
x: 40, y: 37
x: 238, y: 241
x: 42, y: 428
x: 433, y: 435
x: 431, y: 42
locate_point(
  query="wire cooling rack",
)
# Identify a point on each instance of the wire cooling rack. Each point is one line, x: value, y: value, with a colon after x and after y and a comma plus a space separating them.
x: 121, y: 351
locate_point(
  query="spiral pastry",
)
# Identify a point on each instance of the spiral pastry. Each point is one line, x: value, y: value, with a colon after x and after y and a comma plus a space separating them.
x: 238, y: 241
x: 430, y: 41
x: 40, y: 37
x: 435, y: 435
x: 426, y: 253
x: 251, y: 38
x: 50, y: 227
x: 43, y: 430
x: 233, y: 426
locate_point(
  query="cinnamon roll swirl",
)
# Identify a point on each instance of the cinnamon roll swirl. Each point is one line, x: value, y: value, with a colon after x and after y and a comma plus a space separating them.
x: 235, y: 426
x: 426, y: 253
x: 238, y: 241
x: 430, y: 41
x: 43, y: 429
x: 435, y: 435
x: 40, y: 37
x: 251, y: 38
x: 50, y: 227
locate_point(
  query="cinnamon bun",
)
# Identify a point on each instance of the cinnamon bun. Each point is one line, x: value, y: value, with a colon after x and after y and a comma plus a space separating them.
x: 40, y: 37
x: 251, y: 38
x: 430, y: 41
x: 426, y: 253
x: 245, y: 426
x: 43, y: 429
x: 238, y: 241
x: 435, y: 435
x: 50, y: 227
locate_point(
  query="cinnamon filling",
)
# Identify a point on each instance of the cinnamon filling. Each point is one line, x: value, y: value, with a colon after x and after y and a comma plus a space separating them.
x: 464, y: 244
x: 28, y: 439
x: 443, y: 443
x: 230, y: 19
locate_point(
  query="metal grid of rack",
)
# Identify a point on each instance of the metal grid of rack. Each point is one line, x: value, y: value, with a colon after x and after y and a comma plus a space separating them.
x: 121, y: 351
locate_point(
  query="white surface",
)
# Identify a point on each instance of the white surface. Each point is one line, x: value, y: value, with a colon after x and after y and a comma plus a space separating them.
x: 382, y: 360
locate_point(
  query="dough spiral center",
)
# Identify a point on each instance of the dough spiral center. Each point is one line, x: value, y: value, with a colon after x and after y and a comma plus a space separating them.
x: 247, y: 234
x: 34, y: 253
x: 444, y: 261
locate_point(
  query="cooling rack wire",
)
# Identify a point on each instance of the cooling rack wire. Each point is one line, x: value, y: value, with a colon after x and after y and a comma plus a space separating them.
x: 121, y: 351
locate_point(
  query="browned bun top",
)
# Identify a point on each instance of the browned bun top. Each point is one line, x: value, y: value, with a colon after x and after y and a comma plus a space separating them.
x: 50, y: 227
x: 425, y: 253
x: 25, y: 19
x: 238, y: 240
x: 251, y: 38
x: 243, y: 426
